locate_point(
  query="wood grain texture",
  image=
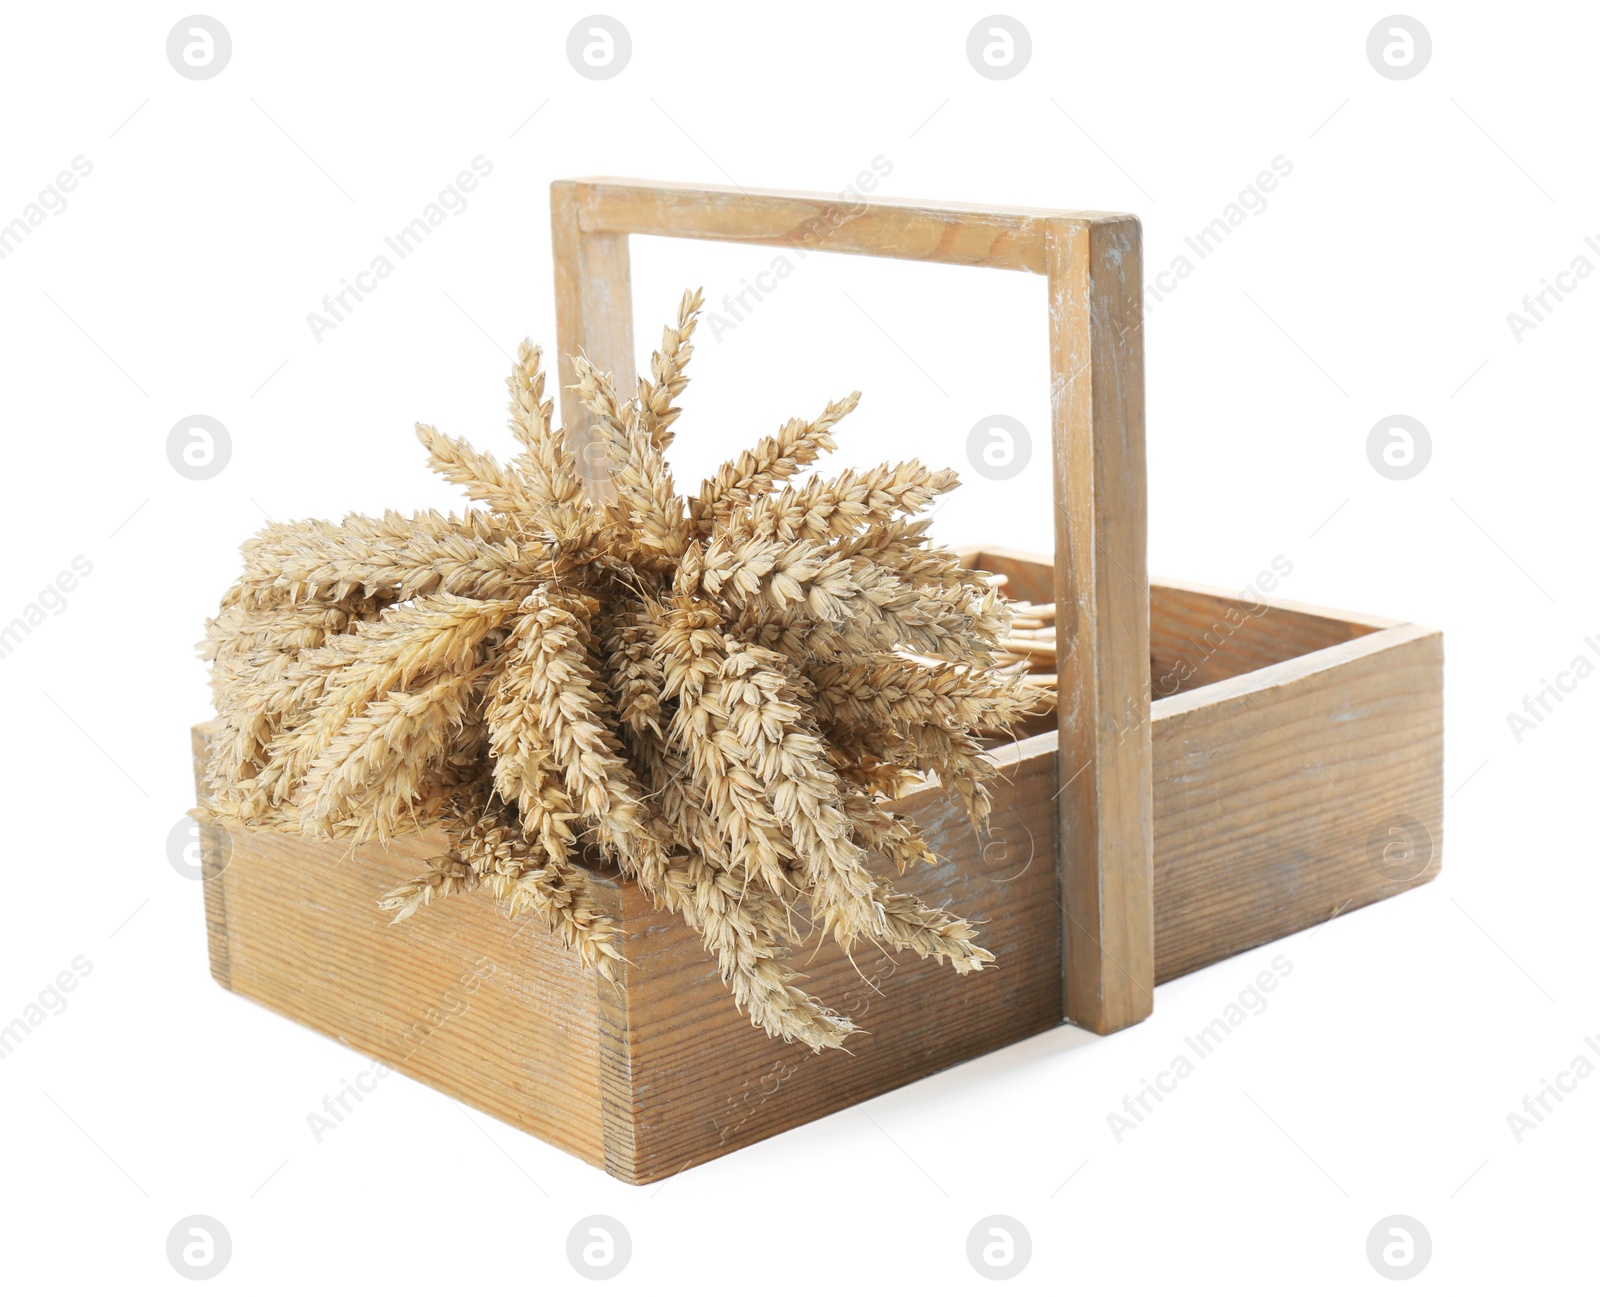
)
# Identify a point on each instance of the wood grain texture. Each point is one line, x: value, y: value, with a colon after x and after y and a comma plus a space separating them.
x: 614, y: 1013
x: 1279, y: 794
x: 594, y: 304
x: 1278, y: 790
x: 1003, y: 238
x: 1093, y: 267
x: 1201, y: 635
x: 1299, y: 750
x: 660, y: 1071
x: 1030, y: 577
x: 216, y: 851
x: 706, y: 1082
x: 1102, y: 618
x: 494, y: 1013
x: 1275, y: 793
x: 1282, y: 781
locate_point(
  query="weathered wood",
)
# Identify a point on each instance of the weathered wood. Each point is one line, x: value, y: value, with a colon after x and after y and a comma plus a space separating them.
x: 1030, y: 577
x: 594, y: 303
x: 706, y: 1082
x: 1092, y: 264
x: 660, y: 1071
x: 1102, y: 618
x: 1283, y: 778
x: 1201, y: 634
x: 491, y: 1012
x: 1274, y: 791
x: 1277, y: 793
x: 216, y: 851
x: 1281, y: 765
x: 614, y: 1007
x: 1003, y: 238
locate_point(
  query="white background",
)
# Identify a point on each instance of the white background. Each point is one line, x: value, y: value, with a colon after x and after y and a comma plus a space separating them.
x: 1377, y: 281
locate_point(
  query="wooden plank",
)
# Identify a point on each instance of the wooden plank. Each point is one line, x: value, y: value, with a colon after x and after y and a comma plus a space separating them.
x: 216, y: 851
x: 594, y: 315
x: 1030, y: 578
x: 1292, y: 610
x: 1102, y: 618
x: 1277, y: 792
x: 614, y: 1040
x: 706, y: 1082
x: 1200, y: 635
x: 493, y: 1013
x: 1004, y: 238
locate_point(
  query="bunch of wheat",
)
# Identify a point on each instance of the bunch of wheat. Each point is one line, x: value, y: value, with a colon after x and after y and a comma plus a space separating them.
x: 719, y: 694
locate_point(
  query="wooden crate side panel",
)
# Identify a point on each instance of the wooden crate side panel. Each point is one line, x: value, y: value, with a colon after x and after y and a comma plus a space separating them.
x: 1277, y: 794
x: 1030, y: 578
x: 706, y: 1082
x: 1199, y: 635
x: 492, y: 1013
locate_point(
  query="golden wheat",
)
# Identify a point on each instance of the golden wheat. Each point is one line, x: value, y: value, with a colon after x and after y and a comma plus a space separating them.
x: 719, y: 694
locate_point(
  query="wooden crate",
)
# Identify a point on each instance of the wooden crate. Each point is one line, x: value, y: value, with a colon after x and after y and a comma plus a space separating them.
x: 1224, y: 770
x: 1301, y: 737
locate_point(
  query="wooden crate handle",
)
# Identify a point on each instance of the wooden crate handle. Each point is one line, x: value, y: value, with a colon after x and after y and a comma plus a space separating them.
x: 1092, y: 263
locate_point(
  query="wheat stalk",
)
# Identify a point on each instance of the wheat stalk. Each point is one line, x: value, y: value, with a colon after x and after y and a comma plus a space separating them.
x: 721, y: 694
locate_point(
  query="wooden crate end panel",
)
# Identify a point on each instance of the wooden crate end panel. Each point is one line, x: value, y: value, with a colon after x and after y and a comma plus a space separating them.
x: 215, y: 848
x: 458, y: 997
x: 1200, y: 636
x: 1272, y: 801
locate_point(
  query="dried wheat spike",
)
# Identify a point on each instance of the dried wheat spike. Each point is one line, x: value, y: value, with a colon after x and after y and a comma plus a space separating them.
x: 445, y: 876
x: 722, y: 694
